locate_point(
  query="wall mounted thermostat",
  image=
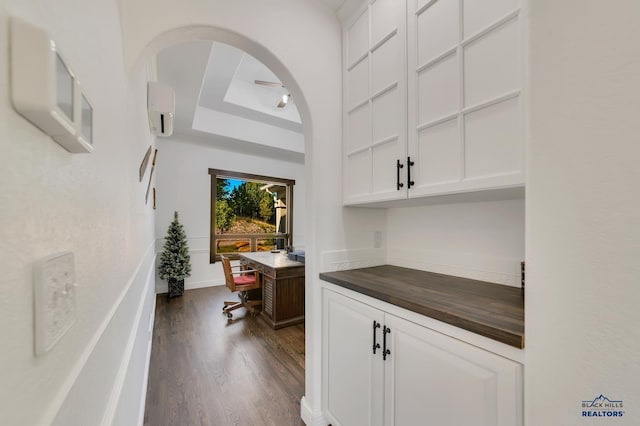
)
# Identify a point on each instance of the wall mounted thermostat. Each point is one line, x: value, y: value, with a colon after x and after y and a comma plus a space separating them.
x: 45, y: 90
x: 55, y: 299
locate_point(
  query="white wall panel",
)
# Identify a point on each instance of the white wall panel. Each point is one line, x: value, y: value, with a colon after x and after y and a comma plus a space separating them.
x: 122, y: 350
x: 583, y: 233
x: 89, y: 204
x: 478, y: 240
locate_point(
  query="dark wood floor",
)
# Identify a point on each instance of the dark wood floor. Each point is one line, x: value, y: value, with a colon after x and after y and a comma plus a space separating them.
x: 206, y: 370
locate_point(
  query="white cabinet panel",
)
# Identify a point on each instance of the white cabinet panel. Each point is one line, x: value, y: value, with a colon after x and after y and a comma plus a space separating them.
x: 386, y: 117
x: 358, y: 38
x: 386, y: 64
x: 437, y: 155
x: 438, y: 30
x: 442, y: 80
x: 384, y: 19
x: 492, y: 64
x: 358, y: 173
x: 446, y: 382
x: 455, y: 144
x: 478, y: 15
x: 439, y: 90
x: 353, y: 379
x: 493, y: 140
x: 374, y: 100
x: 384, y: 165
x: 358, y: 83
x: 359, y: 134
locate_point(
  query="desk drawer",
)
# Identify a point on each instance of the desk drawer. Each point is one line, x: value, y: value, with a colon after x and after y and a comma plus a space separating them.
x: 268, y: 271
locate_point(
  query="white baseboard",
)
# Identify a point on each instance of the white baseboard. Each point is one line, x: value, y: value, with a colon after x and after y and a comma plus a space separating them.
x: 309, y: 416
x: 162, y: 285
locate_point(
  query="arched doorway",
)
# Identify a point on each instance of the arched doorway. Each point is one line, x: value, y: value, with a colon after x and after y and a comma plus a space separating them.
x: 210, y: 33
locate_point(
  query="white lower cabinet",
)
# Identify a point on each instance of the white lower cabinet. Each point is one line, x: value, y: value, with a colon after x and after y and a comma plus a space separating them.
x: 427, y: 378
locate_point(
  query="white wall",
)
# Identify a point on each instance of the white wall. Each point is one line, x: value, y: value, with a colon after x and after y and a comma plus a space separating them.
x: 583, y: 211
x: 184, y: 185
x: 478, y: 240
x: 90, y: 204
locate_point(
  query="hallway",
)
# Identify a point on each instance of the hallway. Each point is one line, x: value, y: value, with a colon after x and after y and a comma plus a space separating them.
x: 207, y: 371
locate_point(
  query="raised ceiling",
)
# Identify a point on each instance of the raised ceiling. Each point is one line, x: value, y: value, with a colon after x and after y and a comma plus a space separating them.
x: 218, y: 102
x: 216, y: 95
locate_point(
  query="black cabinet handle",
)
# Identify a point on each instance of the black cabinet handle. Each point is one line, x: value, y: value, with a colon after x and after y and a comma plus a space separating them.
x: 399, y: 184
x: 385, y: 351
x: 410, y: 163
x: 375, y: 345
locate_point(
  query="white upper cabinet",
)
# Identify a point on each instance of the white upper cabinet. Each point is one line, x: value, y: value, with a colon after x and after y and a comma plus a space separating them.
x: 437, y: 83
x: 374, y: 101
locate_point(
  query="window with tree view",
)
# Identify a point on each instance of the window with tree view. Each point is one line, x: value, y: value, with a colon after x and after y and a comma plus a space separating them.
x: 249, y: 213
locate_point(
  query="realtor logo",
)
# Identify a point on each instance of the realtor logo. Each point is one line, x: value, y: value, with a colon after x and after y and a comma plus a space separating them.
x: 602, y: 406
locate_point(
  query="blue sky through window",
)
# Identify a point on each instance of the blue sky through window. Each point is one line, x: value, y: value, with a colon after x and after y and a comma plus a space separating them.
x: 234, y: 183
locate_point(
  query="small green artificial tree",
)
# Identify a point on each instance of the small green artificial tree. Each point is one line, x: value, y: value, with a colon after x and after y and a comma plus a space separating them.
x: 175, y: 263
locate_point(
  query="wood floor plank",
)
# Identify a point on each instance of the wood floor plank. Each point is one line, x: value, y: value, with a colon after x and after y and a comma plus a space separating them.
x: 207, y: 371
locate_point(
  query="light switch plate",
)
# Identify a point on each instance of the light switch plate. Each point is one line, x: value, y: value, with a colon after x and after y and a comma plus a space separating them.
x: 55, y: 299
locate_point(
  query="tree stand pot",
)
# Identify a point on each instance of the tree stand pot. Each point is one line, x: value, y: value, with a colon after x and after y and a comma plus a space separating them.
x: 176, y: 287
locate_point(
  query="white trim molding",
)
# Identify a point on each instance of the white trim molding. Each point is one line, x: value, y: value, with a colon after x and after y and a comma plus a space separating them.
x: 309, y: 416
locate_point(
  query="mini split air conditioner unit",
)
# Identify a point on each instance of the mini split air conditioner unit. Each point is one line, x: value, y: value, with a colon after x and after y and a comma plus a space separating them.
x: 161, y: 106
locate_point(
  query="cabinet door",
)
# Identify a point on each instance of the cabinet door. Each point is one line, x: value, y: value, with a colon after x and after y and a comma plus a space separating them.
x: 433, y: 379
x: 352, y: 374
x: 464, y: 95
x: 374, y: 104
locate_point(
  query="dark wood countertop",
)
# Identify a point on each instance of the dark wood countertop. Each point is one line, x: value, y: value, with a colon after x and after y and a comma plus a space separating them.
x: 491, y: 310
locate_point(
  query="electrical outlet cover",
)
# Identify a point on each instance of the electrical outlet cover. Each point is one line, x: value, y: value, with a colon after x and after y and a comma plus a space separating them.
x: 55, y: 299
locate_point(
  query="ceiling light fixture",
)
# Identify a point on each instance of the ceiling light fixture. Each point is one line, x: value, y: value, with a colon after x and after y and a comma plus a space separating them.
x: 285, y: 98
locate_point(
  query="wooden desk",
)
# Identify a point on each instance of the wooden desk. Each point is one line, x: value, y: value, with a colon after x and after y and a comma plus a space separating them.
x: 282, y: 287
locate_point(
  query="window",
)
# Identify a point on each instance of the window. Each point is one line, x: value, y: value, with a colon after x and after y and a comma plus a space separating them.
x: 249, y: 213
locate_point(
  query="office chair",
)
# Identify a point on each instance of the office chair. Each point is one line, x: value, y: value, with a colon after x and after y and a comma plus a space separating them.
x: 245, y: 281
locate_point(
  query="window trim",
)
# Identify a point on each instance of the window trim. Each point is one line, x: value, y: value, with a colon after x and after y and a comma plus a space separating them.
x: 226, y: 174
